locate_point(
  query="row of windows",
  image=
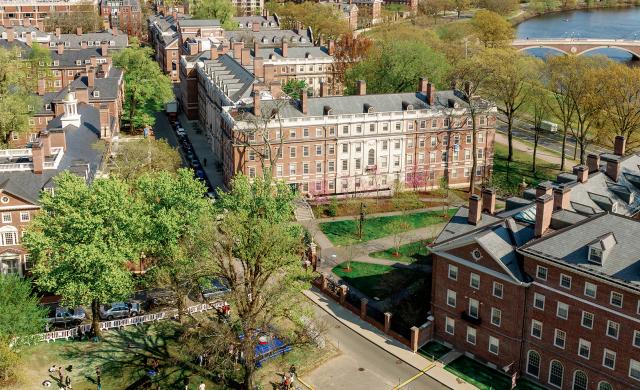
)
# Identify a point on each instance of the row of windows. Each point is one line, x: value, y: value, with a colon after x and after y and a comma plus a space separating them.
x: 25, y: 216
x: 493, y: 342
x: 474, y: 281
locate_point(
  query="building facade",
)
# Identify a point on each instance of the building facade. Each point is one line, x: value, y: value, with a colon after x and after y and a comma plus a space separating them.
x: 34, y: 12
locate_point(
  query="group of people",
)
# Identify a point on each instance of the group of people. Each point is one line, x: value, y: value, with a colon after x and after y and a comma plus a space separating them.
x: 64, y: 381
x: 288, y: 378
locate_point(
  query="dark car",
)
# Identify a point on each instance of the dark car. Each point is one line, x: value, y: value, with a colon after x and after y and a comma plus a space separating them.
x: 65, y: 316
x: 213, y: 288
x: 160, y: 297
x: 120, y: 310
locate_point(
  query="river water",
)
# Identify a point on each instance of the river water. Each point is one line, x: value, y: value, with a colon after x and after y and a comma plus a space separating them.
x: 620, y: 23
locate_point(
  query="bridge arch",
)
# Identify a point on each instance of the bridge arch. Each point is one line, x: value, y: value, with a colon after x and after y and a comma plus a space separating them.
x: 542, y: 47
x: 634, y: 55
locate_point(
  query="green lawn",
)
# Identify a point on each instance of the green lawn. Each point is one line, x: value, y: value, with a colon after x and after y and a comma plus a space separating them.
x: 345, y: 232
x: 408, y: 253
x: 434, y: 350
x: 508, y: 176
x: 485, y: 378
x: 376, y: 280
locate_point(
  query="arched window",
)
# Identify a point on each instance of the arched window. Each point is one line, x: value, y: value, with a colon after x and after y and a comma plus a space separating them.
x: 580, y: 380
x: 533, y: 363
x: 372, y: 157
x: 604, y: 386
x: 556, y: 372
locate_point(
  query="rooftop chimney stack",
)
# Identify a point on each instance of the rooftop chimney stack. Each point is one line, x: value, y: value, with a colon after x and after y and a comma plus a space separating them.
x: 422, y: 85
x: 561, y: 197
x: 619, y: 146
x: 475, y: 210
x: 256, y: 48
x: 91, y: 78
x: 544, y: 210
x: 255, y: 27
x: 46, y: 143
x: 544, y: 188
x: 613, y: 166
x: 29, y: 39
x: 237, y: 50
x: 245, y: 56
x: 361, y: 86
x: 57, y: 32
x: 213, y: 53
x: 42, y: 87
x: 593, y: 162
x: 489, y: 200
x: 60, y: 48
x: 79, y: 30
x: 582, y: 172
x: 332, y: 47
x: 284, y: 48
x: 304, y: 102
x: 37, y: 157
x: 104, y: 49
x: 258, y: 67
x: 10, y: 34
x: 256, y: 102
x: 431, y: 94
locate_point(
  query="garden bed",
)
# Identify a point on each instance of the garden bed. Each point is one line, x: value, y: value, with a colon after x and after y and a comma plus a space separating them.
x: 408, y: 253
x: 485, y: 378
x: 377, y: 280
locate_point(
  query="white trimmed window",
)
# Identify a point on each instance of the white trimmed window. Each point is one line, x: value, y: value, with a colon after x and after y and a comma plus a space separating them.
x: 450, y: 326
x: 474, y: 281
x: 6, y: 217
x: 584, y: 348
x: 541, y: 272
x: 494, y: 345
x: 538, y: 301
x: 497, y: 289
x: 496, y: 316
x: 471, y: 335
x: 556, y: 373
x: 616, y: 299
x: 453, y: 272
x: 562, y: 310
x: 533, y: 364
x: 474, y: 307
x: 451, y: 298
x: 587, y: 320
x: 609, y: 359
x: 613, y: 329
x: 590, y: 289
x: 636, y: 338
x: 536, y: 329
x: 559, y: 338
x: 565, y: 281
x: 634, y: 369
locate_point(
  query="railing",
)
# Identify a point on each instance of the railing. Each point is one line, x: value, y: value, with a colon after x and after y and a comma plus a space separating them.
x: 16, y: 167
x: 15, y: 152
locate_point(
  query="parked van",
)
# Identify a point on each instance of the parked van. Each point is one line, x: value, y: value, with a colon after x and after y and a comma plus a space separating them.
x: 549, y: 126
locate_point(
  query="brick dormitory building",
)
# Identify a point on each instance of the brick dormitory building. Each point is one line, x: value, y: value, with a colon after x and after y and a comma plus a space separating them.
x: 549, y: 288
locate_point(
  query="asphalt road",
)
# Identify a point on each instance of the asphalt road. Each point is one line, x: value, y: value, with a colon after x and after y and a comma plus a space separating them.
x: 362, y: 365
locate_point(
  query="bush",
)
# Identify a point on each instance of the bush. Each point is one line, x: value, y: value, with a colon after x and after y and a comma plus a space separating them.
x: 331, y: 210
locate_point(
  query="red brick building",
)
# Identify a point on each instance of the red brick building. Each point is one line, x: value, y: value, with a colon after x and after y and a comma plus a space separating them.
x: 34, y: 12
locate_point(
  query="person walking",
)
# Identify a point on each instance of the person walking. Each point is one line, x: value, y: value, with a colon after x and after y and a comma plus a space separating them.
x: 67, y: 382
x: 61, y: 375
x: 202, y: 386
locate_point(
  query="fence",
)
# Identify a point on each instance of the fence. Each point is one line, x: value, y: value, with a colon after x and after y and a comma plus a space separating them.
x: 106, y: 325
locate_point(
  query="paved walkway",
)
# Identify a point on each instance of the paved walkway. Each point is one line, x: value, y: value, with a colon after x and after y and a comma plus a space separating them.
x: 385, y: 342
x: 542, y: 154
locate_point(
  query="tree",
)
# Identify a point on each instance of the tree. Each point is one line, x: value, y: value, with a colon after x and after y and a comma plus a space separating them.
x: 136, y: 157
x: 349, y: 51
x: 510, y: 80
x: 83, y: 240
x: 395, y: 66
x: 472, y: 73
x: 17, y: 103
x: 175, y: 205
x: 502, y: 7
x: 461, y: 5
x: 620, y: 102
x: 223, y: 10
x: 492, y: 29
x: 539, y: 106
x: 146, y: 87
x: 433, y: 8
x: 21, y: 316
x: 294, y: 87
x: 40, y: 62
x: 84, y: 15
x: 398, y: 227
x: 325, y: 20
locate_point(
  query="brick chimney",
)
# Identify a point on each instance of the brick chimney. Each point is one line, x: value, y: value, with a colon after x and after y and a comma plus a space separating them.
x: 255, y: 26
x: 489, y: 200
x: 544, y: 210
x: 304, y: 102
x: 613, y: 166
x: 593, y: 162
x: 269, y: 73
x: 45, y: 140
x: 258, y: 67
x: 79, y: 30
x: 10, y: 34
x: 104, y: 49
x: 582, y: 172
x: 475, y: 210
x: 57, y: 32
x: 91, y: 78
x: 431, y: 94
x: 245, y: 56
x: 324, y: 89
x: 422, y: 85
x: 37, y: 157
x: 105, y: 125
x: 42, y: 87
x: 332, y: 47
x: 58, y: 139
x: 544, y: 188
x: 284, y: 48
x: 29, y: 39
x: 275, y: 88
x: 619, y: 146
x: 561, y: 196
x: 60, y: 48
x: 237, y: 50
x: 361, y: 87
x: 213, y: 53
x: 256, y: 102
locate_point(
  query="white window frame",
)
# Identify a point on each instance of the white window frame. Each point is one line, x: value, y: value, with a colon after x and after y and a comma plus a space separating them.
x: 593, y: 317
x: 477, y: 308
x: 621, y: 298
x: 557, y: 332
x: 587, y: 344
x: 499, y: 316
x: 533, y: 325
x: 535, y: 296
x: 617, y: 327
x: 455, y: 272
x: 25, y: 216
x: 634, y: 365
x: 452, y: 295
x: 563, y: 306
x: 541, y: 268
x: 493, y: 341
x: 604, y: 356
x: 594, y: 287
x: 471, y: 278
x: 501, y: 290
x: 562, y: 278
x: 636, y: 339
x: 6, y: 218
x: 474, y: 332
x: 450, y: 322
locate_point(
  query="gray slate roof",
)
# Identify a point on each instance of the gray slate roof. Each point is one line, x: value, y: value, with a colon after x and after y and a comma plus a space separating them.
x: 69, y: 57
x: 238, y: 79
x: 458, y: 225
x: 270, y: 37
x: 246, y: 22
x: 294, y: 52
x: 570, y: 247
x: 199, y: 22
x: 120, y: 40
x: 108, y: 87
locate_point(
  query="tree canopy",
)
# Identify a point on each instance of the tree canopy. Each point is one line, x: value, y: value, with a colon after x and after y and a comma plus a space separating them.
x: 147, y: 89
x: 84, y: 15
x: 223, y: 10
x: 293, y: 87
x: 135, y: 157
x: 492, y: 29
x: 324, y: 19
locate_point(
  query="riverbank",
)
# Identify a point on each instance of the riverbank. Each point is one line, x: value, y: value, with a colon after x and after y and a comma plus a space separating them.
x: 526, y: 13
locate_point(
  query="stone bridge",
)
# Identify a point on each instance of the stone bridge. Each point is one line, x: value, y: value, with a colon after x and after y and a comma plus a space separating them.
x: 579, y: 46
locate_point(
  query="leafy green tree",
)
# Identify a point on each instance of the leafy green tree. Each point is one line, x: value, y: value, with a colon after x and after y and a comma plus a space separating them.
x: 84, y: 15
x: 175, y: 206
x: 20, y: 317
x: 223, y: 10
x: 395, y: 66
x: 325, y: 20
x: 83, y: 240
x: 492, y: 29
x: 40, y: 62
x: 293, y: 87
x: 502, y: 7
x: 146, y: 87
x: 17, y: 103
x: 137, y: 157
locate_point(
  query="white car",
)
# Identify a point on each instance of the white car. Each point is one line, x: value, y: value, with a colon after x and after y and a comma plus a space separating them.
x: 181, y: 132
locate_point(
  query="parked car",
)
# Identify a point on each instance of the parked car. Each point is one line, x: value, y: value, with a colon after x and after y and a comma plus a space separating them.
x: 66, y: 316
x: 160, y: 297
x: 549, y: 126
x: 213, y: 288
x: 181, y: 132
x: 120, y: 310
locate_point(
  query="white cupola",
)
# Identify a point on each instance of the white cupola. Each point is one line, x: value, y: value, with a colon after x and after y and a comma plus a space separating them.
x: 70, y: 116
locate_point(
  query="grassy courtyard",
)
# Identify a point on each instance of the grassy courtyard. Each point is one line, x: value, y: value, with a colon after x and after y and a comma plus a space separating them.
x: 407, y: 253
x: 508, y: 176
x: 376, y: 280
x: 343, y: 233
x: 485, y: 378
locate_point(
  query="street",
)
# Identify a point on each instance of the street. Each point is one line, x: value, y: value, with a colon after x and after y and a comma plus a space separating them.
x: 362, y: 365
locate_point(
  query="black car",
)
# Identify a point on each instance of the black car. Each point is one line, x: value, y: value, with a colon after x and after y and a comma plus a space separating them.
x: 213, y: 288
x: 160, y: 297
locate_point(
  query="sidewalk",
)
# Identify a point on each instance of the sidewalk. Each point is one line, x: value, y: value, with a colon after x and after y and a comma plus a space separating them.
x: 203, y: 151
x: 387, y: 343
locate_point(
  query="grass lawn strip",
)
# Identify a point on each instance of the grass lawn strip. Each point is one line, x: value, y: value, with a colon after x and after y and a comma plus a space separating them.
x: 344, y: 232
x: 508, y: 176
x: 485, y: 378
x: 434, y: 350
x: 409, y: 253
x: 376, y: 280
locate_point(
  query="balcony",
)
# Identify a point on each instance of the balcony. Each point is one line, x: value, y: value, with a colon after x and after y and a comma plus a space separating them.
x: 475, y: 321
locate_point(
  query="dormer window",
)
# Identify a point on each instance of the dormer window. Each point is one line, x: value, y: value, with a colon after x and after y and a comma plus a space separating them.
x: 47, y: 107
x: 600, y: 248
x: 67, y: 44
x: 595, y: 255
x: 52, y: 44
x: 78, y: 62
x: 96, y: 93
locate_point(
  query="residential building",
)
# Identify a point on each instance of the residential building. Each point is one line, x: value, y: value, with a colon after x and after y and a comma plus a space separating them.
x: 248, y: 7
x: 65, y: 145
x: 164, y: 37
x: 123, y: 14
x: 34, y: 12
